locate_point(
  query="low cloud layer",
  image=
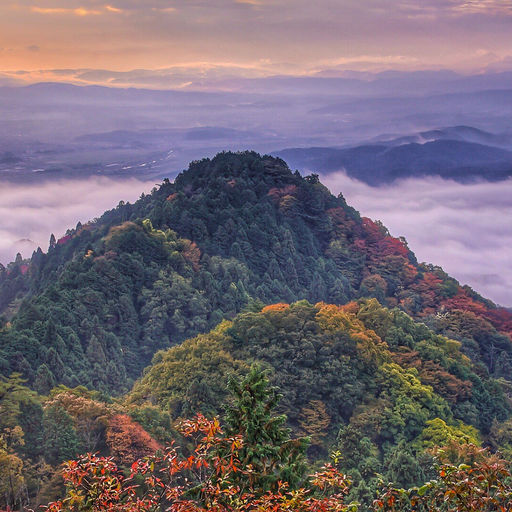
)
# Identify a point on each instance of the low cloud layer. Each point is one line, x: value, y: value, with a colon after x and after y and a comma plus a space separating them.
x: 31, y: 213
x: 466, y: 229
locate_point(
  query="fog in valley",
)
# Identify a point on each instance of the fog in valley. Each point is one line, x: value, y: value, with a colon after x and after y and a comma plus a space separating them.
x: 466, y: 229
x: 69, y: 151
x: 30, y: 213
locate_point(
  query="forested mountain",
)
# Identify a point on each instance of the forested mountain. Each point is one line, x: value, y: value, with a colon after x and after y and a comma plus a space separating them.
x: 360, y: 379
x: 238, y: 268
x: 433, y: 153
x: 234, y: 229
x: 360, y: 383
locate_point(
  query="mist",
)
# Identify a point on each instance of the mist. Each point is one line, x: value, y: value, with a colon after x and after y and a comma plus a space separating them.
x: 30, y: 213
x: 466, y: 229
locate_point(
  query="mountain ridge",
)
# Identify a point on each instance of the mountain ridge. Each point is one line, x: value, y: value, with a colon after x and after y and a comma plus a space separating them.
x: 231, y: 229
x: 447, y: 153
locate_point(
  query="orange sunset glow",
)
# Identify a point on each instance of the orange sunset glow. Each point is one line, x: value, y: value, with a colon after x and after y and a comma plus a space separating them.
x: 52, y: 39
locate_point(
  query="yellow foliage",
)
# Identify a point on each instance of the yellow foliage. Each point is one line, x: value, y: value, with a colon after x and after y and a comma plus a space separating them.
x: 340, y: 318
x: 315, y: 420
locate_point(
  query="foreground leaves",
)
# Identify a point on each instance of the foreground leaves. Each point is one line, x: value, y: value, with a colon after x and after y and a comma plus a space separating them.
x: 202, y: 480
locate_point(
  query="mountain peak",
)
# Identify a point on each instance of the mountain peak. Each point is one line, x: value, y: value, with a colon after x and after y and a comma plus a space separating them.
x: 236, y: 228
x: 232, y: 165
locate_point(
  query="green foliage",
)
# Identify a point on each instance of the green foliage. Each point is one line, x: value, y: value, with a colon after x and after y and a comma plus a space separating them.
x: 60, y: 439
x: 341, y: 383
x: 438, y: 433
x: 266, y: 444
x: 180, y: 278
x: 239, y: 227
x: 402, y: 468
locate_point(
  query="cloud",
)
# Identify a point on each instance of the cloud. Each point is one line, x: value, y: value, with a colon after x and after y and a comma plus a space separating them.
x: 164, y: 78
x: 111, y: 8
x: 492, y: 7
x: 456, y: 7
x: 466, y: 229
x: 366, y: 63
x: 162, y: 33
x: 79, y: 11
x: 254, y: 3
x: 30, y: 213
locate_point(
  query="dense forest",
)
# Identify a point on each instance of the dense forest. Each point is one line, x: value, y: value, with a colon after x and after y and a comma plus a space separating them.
x: 244, y: 273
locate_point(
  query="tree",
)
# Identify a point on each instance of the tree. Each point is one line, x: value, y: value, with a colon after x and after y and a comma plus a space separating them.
x: 60, y: 440
x: 128, y: 441
x: 11, y: 477
x: 402, y: 468
x: 267, y: 447
x: 314, y: 421
x: 479, y: 486
x: 201, y: 481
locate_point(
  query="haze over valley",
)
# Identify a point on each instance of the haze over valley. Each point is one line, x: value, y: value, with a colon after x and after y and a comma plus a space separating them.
x: 379, y: 128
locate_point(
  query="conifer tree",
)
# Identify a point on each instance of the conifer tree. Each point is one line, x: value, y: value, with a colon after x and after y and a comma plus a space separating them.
x: 60, y: 440
x: 267, y: 450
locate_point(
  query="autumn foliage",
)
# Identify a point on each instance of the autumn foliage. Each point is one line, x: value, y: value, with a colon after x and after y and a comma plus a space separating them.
x: 128, y: 441
x: 196, y: 482
x: 203, y: 480
x: 482, y: 486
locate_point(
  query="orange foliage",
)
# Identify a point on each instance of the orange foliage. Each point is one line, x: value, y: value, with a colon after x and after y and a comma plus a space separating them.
x: 201, y: 482
x: 275, y: 308
x: 278, y: 193
x: 192, y: 254
x: 128, y: 441
x: 500, y: 318
x: 429, y: 289
x: 350, y: 307
x: 381, y: 242
x: 334, y: 318
x: 171, y: 197
x: 342, y: 226
x: 433, y: 374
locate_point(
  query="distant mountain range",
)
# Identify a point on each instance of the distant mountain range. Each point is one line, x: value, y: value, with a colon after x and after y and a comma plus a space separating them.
x: 57, y: 130
x: 461, y: 153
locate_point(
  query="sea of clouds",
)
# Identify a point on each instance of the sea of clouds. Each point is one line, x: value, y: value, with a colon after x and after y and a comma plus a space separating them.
x: 466, y: 229
x: 30, y: 213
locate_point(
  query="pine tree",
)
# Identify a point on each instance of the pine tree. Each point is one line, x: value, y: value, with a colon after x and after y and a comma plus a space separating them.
x: 402, y: 468
x: 267, y: 447
x: 44, y: 380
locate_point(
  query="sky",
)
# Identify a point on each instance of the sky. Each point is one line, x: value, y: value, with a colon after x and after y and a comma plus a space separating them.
x: 59, y: 39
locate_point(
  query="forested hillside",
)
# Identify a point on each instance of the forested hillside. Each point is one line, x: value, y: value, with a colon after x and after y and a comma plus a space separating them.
x: 238, y: 272
x: 361, y: 385
x: 229, y: 231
